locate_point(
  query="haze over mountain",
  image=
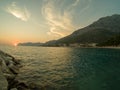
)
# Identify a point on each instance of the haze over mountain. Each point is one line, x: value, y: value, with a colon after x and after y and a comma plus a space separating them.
x: 30, y: 44
x: 97, y: 32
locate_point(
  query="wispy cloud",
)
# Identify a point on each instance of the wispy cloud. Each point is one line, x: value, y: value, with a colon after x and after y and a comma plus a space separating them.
x: 18, y: 12
x: 60, y: 24
x: 76, y: 2
x: 86, y: 7
x: 60, y: 20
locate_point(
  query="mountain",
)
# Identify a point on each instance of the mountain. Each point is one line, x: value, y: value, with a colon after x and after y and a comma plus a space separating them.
x: 98, y: 32
x: 113, y: 41
x: 52, y: 42
x: 30, y: 44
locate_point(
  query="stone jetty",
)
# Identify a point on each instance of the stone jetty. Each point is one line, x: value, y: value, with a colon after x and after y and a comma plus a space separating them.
x: 9, y: 68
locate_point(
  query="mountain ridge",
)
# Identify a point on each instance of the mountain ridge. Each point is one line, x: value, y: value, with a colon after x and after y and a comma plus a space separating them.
x: 97, y: 32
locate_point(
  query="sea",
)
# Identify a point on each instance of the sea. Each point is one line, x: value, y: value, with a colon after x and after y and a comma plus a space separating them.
x: 68, y: 68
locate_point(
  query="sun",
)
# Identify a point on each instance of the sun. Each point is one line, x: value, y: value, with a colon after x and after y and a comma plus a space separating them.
x: 15, y: 44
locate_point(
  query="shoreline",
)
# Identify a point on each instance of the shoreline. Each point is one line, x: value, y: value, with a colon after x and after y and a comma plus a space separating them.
x: 75, y: 46
x: 9, y: 70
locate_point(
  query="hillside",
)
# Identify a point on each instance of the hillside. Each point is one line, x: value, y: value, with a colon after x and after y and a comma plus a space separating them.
x: 113, y: 41
x: 98, y: 32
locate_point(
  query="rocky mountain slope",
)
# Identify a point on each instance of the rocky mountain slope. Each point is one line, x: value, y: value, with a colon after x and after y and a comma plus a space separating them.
x: 113, y: 41
x: 97, y: 32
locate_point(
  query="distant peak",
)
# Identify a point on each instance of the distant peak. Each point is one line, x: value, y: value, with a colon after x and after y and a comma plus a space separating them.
x: 116, y: 15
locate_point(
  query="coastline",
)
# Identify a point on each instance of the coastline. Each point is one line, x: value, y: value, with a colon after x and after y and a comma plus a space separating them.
x: 117, y: 47
x: 111, y: 47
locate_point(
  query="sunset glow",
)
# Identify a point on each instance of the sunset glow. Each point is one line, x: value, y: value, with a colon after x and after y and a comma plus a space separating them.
x: 44, y: 20
x: 59, y: 44
x: 15, y: 44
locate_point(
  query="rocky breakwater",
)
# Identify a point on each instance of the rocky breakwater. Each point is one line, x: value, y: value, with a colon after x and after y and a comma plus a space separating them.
x: 9, y: 68
x: 9, y: 75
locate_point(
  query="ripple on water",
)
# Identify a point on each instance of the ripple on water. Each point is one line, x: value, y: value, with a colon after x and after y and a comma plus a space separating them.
x: 69, y: 68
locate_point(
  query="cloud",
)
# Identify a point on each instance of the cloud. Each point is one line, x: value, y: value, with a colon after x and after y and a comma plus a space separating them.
x: 20, y: 13
x: 59, y: 20
x: 86, y: 7
x: 76, y: 2
x: 60, y: 24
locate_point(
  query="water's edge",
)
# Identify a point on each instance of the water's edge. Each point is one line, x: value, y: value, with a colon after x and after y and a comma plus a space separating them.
x: 9, y: 69
x: 48, y: 68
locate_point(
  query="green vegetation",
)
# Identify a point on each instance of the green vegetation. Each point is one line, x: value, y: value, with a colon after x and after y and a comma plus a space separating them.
x: 113, y: 41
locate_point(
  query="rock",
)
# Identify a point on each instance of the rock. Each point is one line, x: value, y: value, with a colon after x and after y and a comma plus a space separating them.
x: 22, y: 86
x: 8, y: 71
x: 5, y: 69
x: 3, y: 82
x: 14, y: 69
x: 14, y: 89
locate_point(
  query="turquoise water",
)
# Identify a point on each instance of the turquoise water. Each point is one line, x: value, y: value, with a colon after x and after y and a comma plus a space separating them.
x: 69, y: 68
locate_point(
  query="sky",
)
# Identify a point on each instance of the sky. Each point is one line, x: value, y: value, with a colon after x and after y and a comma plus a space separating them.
x: 44, y: 20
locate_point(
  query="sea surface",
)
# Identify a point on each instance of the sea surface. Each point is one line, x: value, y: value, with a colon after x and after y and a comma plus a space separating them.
x: 68, y: 68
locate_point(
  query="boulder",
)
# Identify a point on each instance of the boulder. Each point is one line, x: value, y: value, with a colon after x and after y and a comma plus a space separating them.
x: 3, y: 82
x: 8, y: 70
x: 14, y: 89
